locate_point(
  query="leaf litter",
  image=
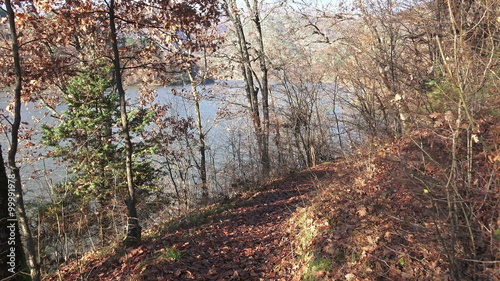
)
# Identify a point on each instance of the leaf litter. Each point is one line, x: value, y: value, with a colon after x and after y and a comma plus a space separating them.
x: 342, y: 220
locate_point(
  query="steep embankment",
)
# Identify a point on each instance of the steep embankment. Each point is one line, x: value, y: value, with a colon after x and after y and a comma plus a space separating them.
x: 373, y: 216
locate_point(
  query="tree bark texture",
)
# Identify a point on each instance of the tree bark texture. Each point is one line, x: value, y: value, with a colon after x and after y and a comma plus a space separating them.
x: 30, y: 249
x: 264, y: 85
x: 6, y: 231
x: 133, y: 227
x: 202, y: 167
x: 261, y: 127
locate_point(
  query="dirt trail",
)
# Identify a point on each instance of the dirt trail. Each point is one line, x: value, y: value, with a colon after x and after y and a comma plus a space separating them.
x: 246, y: 241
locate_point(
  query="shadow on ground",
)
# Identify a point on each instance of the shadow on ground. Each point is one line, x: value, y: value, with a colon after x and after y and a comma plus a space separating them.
x: 239, y: 240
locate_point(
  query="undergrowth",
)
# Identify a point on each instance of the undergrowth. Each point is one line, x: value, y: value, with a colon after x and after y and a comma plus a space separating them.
x: 374, y: 221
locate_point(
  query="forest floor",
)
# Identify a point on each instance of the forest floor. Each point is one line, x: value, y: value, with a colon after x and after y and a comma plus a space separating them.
x: 355, y: 219
x: 245, y: 239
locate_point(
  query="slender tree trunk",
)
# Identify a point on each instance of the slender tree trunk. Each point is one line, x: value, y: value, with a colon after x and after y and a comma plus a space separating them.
x: 201, y: 138
x: 265, y: 160
x: 133, y: 227
x: 202, y: 166
x: 7, y: 220
x: 251, y: 90
x: 4, y: 216
x: 335, y: 116
x: 23, y: 224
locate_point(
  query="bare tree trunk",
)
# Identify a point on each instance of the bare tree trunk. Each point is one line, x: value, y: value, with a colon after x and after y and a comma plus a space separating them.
x: 4, y: 216
x: 133, y: 227
x: 201, y: 138
x: 202, y: 166
x: 30, y: 249
x: 9, y: 227
x: 265, y: 161
x: 335, y: 116
x: 251, y: 91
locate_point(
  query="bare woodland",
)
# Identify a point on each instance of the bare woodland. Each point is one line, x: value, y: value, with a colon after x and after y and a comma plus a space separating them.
x: 405, y: 94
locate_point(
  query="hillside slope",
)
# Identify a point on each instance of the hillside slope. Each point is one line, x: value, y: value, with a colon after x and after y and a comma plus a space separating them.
x: 241, y: 240
x: 365, y: 218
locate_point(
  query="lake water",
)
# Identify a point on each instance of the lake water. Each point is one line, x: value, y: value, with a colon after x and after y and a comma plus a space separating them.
x: 39, y: 173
